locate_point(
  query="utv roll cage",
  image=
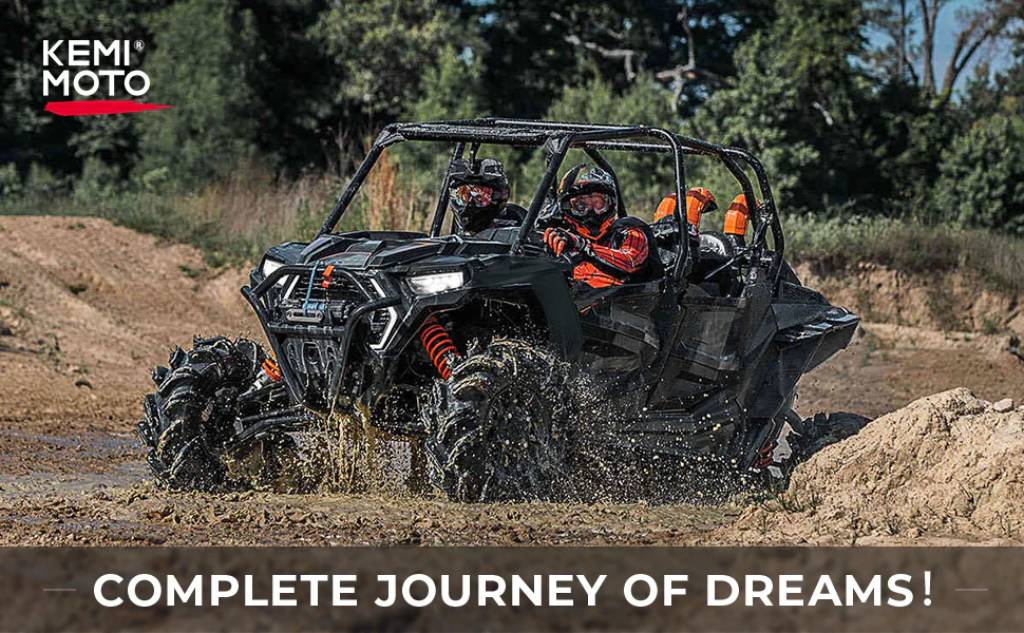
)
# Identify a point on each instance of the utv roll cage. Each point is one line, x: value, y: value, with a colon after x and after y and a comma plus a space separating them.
x: 556, y: 139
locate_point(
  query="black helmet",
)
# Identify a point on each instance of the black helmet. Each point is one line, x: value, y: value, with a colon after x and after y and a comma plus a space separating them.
x: 589, y: 220
x: 478, y: 191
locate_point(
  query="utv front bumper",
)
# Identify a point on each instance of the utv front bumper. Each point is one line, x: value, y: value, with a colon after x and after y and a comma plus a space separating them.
x: 310, y: 326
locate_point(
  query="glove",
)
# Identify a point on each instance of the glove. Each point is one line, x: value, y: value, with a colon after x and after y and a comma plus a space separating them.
x: 559, y: 241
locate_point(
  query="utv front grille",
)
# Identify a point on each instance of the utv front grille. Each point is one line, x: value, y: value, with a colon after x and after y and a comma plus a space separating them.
x: 339, y: 290
x: 314, y: 349
x: 309, y: 300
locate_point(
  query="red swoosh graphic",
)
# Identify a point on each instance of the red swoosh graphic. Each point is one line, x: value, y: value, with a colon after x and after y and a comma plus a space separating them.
x: 88, y: 108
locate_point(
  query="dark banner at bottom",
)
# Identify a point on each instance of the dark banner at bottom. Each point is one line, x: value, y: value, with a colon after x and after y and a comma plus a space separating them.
x: 471, y: 589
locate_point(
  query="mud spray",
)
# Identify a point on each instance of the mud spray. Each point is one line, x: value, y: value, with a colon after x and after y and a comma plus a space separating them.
x: 346, y: 453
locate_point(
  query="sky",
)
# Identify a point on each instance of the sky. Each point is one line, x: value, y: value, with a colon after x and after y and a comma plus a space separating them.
x: 947, y: 30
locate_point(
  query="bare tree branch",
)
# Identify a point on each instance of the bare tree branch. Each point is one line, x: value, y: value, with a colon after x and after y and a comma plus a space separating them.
x: 627, y: 55
x: 983, y: 25
x: 929, y: 15
x: 683, y: 73
x: 631, y: 58
x: 829, y: 121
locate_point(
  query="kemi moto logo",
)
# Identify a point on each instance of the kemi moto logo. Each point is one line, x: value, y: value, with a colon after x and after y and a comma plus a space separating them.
x: 92, y: 60
x: 77, y: 69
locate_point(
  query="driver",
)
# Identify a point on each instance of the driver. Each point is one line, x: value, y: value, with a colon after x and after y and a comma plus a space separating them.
x: 478, y: 193
x: 611, y: 251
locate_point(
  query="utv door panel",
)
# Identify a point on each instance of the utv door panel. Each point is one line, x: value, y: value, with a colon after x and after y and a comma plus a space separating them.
x: 620, y: 335
x: 706, y: 336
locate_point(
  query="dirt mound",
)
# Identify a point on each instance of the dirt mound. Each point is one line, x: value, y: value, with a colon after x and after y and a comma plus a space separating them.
x: 86, y: 306
x: 948, y: 466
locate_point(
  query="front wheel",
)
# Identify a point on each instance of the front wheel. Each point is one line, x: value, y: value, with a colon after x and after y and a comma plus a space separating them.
x: 496, y: 429
x: 188, y: 423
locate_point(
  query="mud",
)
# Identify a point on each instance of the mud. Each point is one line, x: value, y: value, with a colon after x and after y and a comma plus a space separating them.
x: 86, y: 309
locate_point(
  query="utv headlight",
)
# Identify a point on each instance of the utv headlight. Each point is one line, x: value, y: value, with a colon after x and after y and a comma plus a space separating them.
x: 269, y: 266
x: 434, y: 283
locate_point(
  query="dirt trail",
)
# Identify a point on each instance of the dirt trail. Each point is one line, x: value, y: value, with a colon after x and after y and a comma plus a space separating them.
x: 86, y: 309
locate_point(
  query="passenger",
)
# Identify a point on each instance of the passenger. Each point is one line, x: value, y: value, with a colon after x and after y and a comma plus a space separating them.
x: 478, y: 195
x: 611, y: 251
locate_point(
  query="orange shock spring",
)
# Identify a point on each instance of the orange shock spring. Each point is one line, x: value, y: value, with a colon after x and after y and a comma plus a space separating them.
x: 271, y: 369
x: 438, y: 345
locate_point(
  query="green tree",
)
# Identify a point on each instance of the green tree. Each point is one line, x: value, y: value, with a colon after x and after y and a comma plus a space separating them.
x: 382, y: 48
x: 293, y: 84
x: 797, y: 105
x: 38, y: 136
x: 449, y: 90
x: 916, y: 117
x: 535, y: 50
x: 204, y: 60
x: 982, y: 181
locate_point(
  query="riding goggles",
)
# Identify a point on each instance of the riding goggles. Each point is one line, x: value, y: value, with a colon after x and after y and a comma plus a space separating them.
x: 479, y: 195
x: 588, y: 204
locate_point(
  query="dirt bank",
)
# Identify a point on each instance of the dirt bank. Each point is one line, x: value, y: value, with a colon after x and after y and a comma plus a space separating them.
x: 961, y: 301
x: 86, y: 309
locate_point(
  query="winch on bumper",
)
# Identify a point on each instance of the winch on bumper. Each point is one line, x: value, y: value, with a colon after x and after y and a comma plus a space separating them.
x: 310, y: 314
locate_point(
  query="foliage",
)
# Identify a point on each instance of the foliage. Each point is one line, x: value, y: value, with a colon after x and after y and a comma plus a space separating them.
x: 451, y: 90
x: 844, y: 120
x: 905, y: 244
x: 795, y: 104
x: 644, y: 179
x: 203, y: 63
x: 982, y: 181
x: 381, y: 48
x: 233, y: 220
x: 536, y: 50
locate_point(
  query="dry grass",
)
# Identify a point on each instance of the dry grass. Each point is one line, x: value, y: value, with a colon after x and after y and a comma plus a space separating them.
x: 906, y: 244
x: 231, y: 221
x: 238, y: 218
x: 256, y: 209
x: 392, y: 202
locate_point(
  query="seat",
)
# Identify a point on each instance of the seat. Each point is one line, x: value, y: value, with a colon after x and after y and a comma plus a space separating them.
x: 712, y: 271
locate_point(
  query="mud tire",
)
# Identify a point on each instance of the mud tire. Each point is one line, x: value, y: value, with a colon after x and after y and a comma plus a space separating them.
x: 807, y: 437
x: 189, y: 419
x: 824, y: 430
x: 496, y: 429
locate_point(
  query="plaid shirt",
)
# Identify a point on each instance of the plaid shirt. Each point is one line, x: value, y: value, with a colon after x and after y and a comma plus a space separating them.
x: 618, y: 255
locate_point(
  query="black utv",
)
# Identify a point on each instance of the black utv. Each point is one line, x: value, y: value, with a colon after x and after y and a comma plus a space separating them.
x: 479, y: 347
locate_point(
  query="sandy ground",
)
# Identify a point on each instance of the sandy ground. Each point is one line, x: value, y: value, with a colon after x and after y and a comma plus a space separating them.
x: 86, y: 309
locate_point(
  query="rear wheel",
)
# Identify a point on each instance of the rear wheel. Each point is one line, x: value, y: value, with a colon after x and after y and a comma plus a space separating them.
x: 797, y: 440
x: 188, y: 422
x: 823, y: 430
x: 496, y: 430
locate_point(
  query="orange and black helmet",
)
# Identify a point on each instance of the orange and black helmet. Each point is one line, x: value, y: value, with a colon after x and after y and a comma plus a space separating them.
x: 588, y: 199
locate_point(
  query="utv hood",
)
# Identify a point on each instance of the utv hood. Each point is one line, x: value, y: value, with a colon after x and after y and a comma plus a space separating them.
x: 373, y: 249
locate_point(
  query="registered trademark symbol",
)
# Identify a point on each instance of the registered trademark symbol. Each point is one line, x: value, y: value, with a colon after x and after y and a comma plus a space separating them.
x: 139, y: 45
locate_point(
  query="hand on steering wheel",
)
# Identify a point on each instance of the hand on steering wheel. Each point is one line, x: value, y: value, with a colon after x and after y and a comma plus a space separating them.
x: 561, y: 242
